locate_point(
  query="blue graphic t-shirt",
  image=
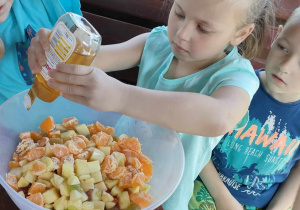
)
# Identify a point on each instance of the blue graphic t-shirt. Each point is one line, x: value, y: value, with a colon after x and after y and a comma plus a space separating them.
x: 254, y: 160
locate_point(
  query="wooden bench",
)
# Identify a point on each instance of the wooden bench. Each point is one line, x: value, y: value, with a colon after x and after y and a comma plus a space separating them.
x: 120, y: 20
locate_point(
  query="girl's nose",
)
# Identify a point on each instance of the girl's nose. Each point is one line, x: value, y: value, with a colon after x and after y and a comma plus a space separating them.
x: 184, y: 32
x: 288, y: 64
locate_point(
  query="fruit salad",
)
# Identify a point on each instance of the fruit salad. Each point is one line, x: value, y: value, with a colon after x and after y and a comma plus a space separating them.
x: 77, y: 166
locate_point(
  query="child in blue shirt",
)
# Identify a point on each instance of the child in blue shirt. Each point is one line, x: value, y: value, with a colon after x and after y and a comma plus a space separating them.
x: 18, y: 21
x: 258, y: 163
x: 192, y: 78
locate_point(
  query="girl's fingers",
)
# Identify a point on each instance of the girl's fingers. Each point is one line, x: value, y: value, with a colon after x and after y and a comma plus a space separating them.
x: 68, y: 78
x: 43, y: 35
x: 32, y: 60
x: 68, y: 88
x: 74, y: 69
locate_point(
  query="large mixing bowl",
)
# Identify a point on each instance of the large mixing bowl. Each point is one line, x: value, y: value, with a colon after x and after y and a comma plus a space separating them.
x: 160, y: 144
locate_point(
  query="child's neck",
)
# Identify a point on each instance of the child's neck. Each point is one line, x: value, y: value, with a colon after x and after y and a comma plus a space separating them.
x: 179, y: 68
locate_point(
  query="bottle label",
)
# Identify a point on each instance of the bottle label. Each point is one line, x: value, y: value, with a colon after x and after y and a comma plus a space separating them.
x: 62, y: 45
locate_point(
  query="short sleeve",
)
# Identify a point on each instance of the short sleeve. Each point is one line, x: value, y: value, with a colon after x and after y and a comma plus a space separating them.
x: 71, y: 6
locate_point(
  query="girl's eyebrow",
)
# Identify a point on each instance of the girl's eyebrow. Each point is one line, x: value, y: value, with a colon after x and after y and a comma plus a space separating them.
x: 204, y: 22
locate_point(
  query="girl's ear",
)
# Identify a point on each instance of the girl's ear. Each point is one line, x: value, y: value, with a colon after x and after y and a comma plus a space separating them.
x: 242, y: 34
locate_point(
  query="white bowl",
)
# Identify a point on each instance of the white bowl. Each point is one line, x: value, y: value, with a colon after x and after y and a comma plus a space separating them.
x: 162, y: 145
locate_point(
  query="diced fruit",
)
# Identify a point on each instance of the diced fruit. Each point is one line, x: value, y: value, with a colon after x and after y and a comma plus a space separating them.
x: 87, y: 184
x: 82, y: 129
x: 47, y: 125
x: 12, y: 181
x: 56, y: 140
x: 97, y: 176
x: 87, y: 205
x: 96, y: 194
x: 124, y: 200
x: 81, y: 167
x: 29, y: 177
x: 75, y: 205
x: 67, y: 135
x: 110, y: 204
x: 36, y: 198
x: 141, y: 199
x: 58, y: 180
x: 48, y: 162
x: 106, y: 197
x: 105, y: 150
x: 84, y: 197
x: 67, y: 170
x: 75, y: 187
x: 134, y: 189
x: 47, y: 175
x: 36, y: 187
x: 60, y: 127
x: 64, y: 190
x: 75, y: 195
x: 17, y: 172
x: 22, y: 182
x: 99, y: 205
x: 69, y: 122
x: 59, y: 204
x: 84, y: 177
x: 120, y: 158
x: 22, y: 194
x: 45, y: 182
x: 145, y: 188
x: 36, y: 135
x: 101, y: 186
x: 94, y: 166
x: 115, y: 190
x: 97, y: 155
x: 50, y: 196
x: 111, y: 183
x: 109, y: 164
x: 73, y: 180
x: 38, y: 168
x: 35, y: 153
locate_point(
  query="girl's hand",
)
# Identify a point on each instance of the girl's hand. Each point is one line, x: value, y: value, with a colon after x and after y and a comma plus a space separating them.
x: 89, y: 86
x: 36, y: 52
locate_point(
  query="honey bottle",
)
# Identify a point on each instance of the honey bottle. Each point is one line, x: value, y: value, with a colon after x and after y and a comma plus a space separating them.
x: 73, y: 40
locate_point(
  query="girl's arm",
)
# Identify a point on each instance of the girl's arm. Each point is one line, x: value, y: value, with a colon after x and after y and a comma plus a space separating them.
x: 217, y: 189
x: 110, y: 57
x: 287, y: 191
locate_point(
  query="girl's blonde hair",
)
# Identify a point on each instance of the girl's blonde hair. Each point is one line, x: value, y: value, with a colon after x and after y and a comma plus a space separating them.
x: 262, y: 14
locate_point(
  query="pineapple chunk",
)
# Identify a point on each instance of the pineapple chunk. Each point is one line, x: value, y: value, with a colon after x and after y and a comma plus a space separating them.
x: 99, y: 205
x: 56, y: 141
x: 73, y: 180
x: 16, y: 171
x: 75, y: 205
x: 48, y: 206
x: 58, y: 180
x: 27, y: 166
x: 94, y: 166
x: 53, y: 183
x: 115, y: 190
x: 48, y: 162
x: 84, y: 177
x: 124, y: 200
x: 68, y: 135
x: 82, y: 129
x: 67, y: 169
x: 109, y: 204
x: 87, y: 205
x: 48, y: 152
x: 87, y: 184
x: 22, y: 194
x: 64, y: 190
x: 22, y: 182
x: 111, y: 183
x: 75, y: 195
x: 46, y: 175
x: 23, y: 162
x: 97, y: 155
x: 134, y: 189
x: 97, y: 176
x: 106, y: 197
x: 84, y: 197
x: 96, y: 195
x: 45, y: 182
x: 105, y: 150
x: 91, y: 144
x: 81, y: 167
x: 50, y: 196
x: 29, y: 177
x: 101, y: 186
x: 145, y: 188
x: 60, y: 127
x: 120, y: 157
x: 59, y: 204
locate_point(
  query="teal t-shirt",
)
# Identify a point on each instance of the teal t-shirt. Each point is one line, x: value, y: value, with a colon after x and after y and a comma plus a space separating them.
x: 37, y: 14
x: 233, y: 70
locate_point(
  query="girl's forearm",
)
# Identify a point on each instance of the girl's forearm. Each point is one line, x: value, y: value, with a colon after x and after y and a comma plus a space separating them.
x: 185, y: 112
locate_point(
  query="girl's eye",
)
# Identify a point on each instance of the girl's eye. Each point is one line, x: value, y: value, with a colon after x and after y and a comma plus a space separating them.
x: 203, y: 30
x: 179, y: 15
x: 281, y: 47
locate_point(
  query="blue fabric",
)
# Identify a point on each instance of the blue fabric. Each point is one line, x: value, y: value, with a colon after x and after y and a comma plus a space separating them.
x: 37, y: 14
x: 231, y: 70
x: 252, y: 169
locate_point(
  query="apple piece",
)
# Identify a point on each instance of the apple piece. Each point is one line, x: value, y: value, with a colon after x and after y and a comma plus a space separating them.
x: 97, y: 155
x: 87, y: 184
x: 23, y: 182
x: 46, y: 175
x: 120, y: 157
x: 81, y: 167
x: 124, y: 200
x: 110, y: 204
x: 94, y: 166
x: 96, y: 194
x: 106, y: 197
x: 75, y: 195
x: 111, y: 183
x: 60, y: 203
x: 82, y: 129
x: 50, y: 196
x: 87, y: 205
x: 73, y: 180
x: 115, y: 190
x: 101, y: 186
x: 105, y: 150
x: 97, y: 176
x: 67, y: 169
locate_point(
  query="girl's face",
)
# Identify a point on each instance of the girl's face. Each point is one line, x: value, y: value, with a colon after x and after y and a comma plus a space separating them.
x: 283, y: 64
x: 201, y: 29
x: 5, y: 6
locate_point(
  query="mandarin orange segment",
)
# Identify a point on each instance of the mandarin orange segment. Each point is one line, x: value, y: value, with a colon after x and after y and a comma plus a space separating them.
x: 109, y: 164
x: 126, y: 181
x: 144, y: 159
x: 56, y: 162
x: 38, y: 168
x: 131, y: 144
x: 119, y: 173
x: 86, y: 141
x: 36, y: 198
x: 100, y: 139
x: 73, y: 148
x: 43, y: 141
x: 70, y: 122
x: 47, y: 125
x: 136, y: 163
x: 59, y: 150
x: 115, y: 147
x: 13, y: 164
x: 53, y: 134
x: 37, y: 187
x: 15, y: 157
x: 141, y: 199
x: 147, y: 169
x: 80, y: 143
x: 25, y: 135
x: 37, y: 135
x: 138, y: 179
x: 92, y: 129
x: 67, y: 158
x: 35, y: 153
x: 12, y: 181
x: 83, y: 156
